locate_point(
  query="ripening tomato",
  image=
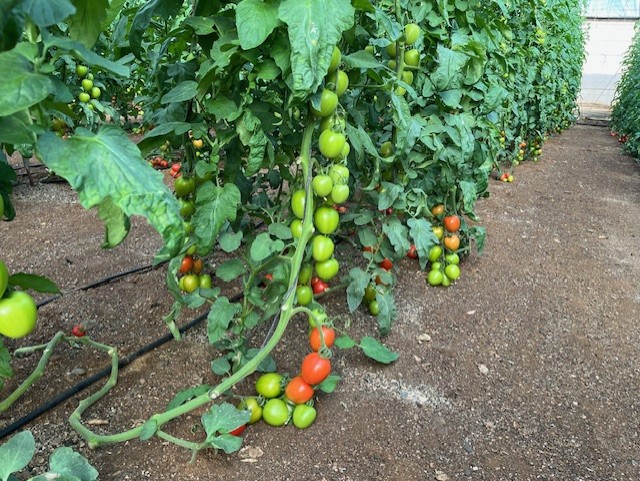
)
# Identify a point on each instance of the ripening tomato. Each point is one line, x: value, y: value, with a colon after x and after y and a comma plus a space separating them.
x: 314, y: 337
x: 452, y: 223
x: 331, y: 143
x: 413, y: 252
x: 319, y: 286
x: 303, y: 416
x: 438, y: 231
x: 186, y: 265
x: 452, y: 242
x: 298, y: 391
x: 198, y: 264
x: 386, y: 264
x: 269, y: 385
x: 315, y: 368
x: 437, y: 210
x: 198, y: 143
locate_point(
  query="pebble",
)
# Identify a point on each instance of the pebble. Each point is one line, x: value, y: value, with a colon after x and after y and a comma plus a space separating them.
x: 483, y: 369
x: 78, y: 371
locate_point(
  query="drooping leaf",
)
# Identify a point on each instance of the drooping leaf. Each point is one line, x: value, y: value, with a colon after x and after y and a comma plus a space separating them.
x: 221, y: 419
x: 263, y: 246
x: 15, y: 129
x: 45, y: 13
x: 255, y: 20
x: 377, y: 351
x: 230, y: 270
x: 34, y: 282
x: 66, y: 462
x: 358, y: 282
x: 16, y: 453
x: 106, y: 169
x: 187, y: 395
x: 220, y: 316
x: 85, y: 25
x: 214, y: 206
x: 160, y: 8
x: 329, y: 384
x: 183, y: 91
x: 423, y: 238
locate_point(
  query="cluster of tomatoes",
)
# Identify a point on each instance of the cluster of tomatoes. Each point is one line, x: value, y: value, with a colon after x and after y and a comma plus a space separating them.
x: 192, y: 275
x: 507, y: 177
x: 444, y: 257
x: 622, y: 138
x: 410, y: 58
x: 281, y: 399
x: 18, y: 310
x: 89, y: 90
x: 159, y: 162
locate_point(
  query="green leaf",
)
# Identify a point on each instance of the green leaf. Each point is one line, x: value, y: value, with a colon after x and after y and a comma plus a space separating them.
x: 377, y: 351
x: 16, y: 453
x: 183, y: 91
x: 200, y: 25
x: 15, y: 129
x: 6, y: 372
x: 187, y: 395
x: 220, y: 316
x: 106, y: 169
x: 230, y: 241
x: 398, y: 234
x: 423, y: 238
x: 268, y: 364
x: 21, y: 87
x: 389, y: 194
x: 251, y: 135
x: 115, y: 7
x: 388, y: 311
x: 329, y: 384
x: 255, y: 20
x: 314, y: 27
x: 448, y: 73
x: 361, y: 59
x: 45, y: 13
x: 66, y: 462
x: 359, y: 280
x: 148, y: 430
x: 221, y: 366
x: 219, y: 421
x: 34, y: 282
x: 230, y: 270
x: 281, y: 231
x: 160, y: 8
x: 263, y: 246
x: 214, y: 206
x: 86, y: 24
x: 345, y: 342
x: 223, y: 108
x: 116, y: 223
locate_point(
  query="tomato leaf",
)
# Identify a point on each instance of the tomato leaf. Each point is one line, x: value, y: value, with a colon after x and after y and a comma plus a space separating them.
x: 85, y: 25
x: 16, y: 453
x: 221, y: 366
x: 215, y: 205
x: 187, y: 395
x: 160, y: 8
x: 220, y: 316
x: 387, y: 311
x: 15, y: 129
x: 263, y: 246
x: 255, y: 20
x: 375, y: 350
x: 359, y: 280
x: 329, y: 384
x: 230, y: 270
x: 34, y: 282
x: 7, y: 177
x: 397, y: 233
x: 183, y: 91
x: 68, y: 464
x: 6, y: 372
x: 252, y: 136
x: 107, y: 170
x: 314, y: 28
x: 423, y: 238
x: 45, y: 13
x: 218, y: 421
x: 230, y: 241
x: 345, y: 342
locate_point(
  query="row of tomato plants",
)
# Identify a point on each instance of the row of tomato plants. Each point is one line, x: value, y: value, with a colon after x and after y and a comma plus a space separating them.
x: 625, y: 115
x: 377, y: 124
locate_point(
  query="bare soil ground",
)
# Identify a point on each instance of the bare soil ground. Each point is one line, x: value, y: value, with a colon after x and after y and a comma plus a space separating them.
x: 532, y: 370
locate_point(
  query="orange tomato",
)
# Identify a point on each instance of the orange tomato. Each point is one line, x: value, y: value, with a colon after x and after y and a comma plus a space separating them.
x: 452, y: 223
x: 452, y: 242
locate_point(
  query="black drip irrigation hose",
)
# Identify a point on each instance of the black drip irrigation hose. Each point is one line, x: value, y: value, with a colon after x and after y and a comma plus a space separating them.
x: 85, y: 383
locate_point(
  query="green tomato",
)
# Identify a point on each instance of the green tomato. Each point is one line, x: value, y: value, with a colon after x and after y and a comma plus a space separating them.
x: 304, y: 294
x: 189, y: 283
x: 84, y: 97
x: 303, y: 416
x: 320, y: 315
x: 328, y: 269
x: 95, y: 92
x: 333, y: 122
x: 436, y: 266
x: 391, y: 50
x: 305, y: 274
x: 322, y: 248
x: 374, y: 308
x: 326, y: 219
x: 251, y: 404
x: 269, y: 385
x: 434, y: 253
x: 369, y: 293
x: 412, y: 57
x: 298, y: 203
x: 275, y: 412
x: 340, y: 80
x: 339, y: 174
x: 452, y: 259
x: 188, y: 228
x: 339, y: 194
x: 370, y: 49
x: 386, y: 149
x: 435, y: 277
x: 345, y: 151
x: 4, y: 277
x: 336, y: 58
x: 205, y: 281
x: 446, y: 282
x: 331, y: 143
x: 322, y: 185
x: 296, y: 228
x: 81, y: 70
x: 400, y: 91
x: 407, y: 77
x: 87, y: 85
x: 187, y: 208
x: 411, y: 33
x: 184, y: 186
x: 18, y: 315
x: 452, y: 271
x: 328, y: 103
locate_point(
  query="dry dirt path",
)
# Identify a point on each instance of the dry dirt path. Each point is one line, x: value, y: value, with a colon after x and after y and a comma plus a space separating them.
x: 532, y: 370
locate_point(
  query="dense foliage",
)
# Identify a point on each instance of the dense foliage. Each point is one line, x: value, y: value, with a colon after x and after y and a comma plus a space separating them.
x: 625, y: 117
x: 377, y: 124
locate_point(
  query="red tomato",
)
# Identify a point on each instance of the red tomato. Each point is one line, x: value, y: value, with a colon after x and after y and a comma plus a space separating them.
x: 314, y: 337
x: 187, y: 264
x: 298, y: 391
x: 413, y: 252
x: 315, y: 368
x: 452, y: 223
x: 386, y: 264
x: 319, y: 286
x: 238, y: 431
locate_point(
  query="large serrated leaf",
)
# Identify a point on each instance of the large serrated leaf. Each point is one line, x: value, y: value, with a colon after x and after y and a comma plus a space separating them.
x: 214, y: 206
x: 219, y: 421
x: 423, y: 238
x: 45, y: 13
x: 107, y: 169
x: 161, y: 8
x: 220, y: 316
x: 255, y: 20
x: 16, y: 453
x: 315, y: 26
x: 86, y: 24
x: 359, y: 280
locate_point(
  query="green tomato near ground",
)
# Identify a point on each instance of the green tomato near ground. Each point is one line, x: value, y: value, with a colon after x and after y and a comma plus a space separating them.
x: 303, y: 416
x: 4, y: 277
x: 412, y: 57
x: 369, y: 293
x: 81, y: 70
x: 328, y: 269
x: 322, y: 185
x: 336, y: 58
x: 298, y: 203
x: 322, y: 248
x: 340, y: 80
x: 435, y: 277
x: 189, y: 283
x: 87, y: 85
x: 18, y: 315
x: 304, y: 294
x: 205, y: 281
x: 452, y: 271
x: 411, y: 33
x: 339, y: 174
x: 374, y: 308
x: 275, y: 412
x: 446, y: 282
x: 434, y: 253
x: 84, y: 97
x: 339, y: 194
x: 326, y: 219
x: 328, y: 104
x: 331, y: 143
x: 452, y: 259
x: 436, y: 266
x: 251, y: 404
x: 269, y: 385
